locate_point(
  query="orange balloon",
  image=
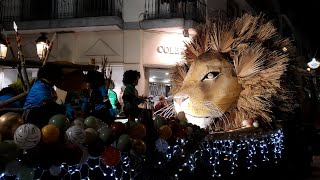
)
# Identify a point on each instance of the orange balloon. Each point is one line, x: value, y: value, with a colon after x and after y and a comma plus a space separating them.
x: 138, y: 131
x: 165, y: 132
x: 110, y: 156
x: 139, y: 146
x: 50, y: 133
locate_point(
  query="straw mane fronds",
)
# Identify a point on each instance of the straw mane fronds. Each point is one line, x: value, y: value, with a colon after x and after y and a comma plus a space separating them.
x: 260, y: 62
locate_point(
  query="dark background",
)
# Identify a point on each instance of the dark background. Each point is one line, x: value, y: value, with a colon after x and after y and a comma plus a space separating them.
x: 304, y: 16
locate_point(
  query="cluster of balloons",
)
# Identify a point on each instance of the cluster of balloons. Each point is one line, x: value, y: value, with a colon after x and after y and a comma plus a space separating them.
x: 11, y: 124
x: 175, y: 127
x: 62, y: 141
x: 73, y: 143
x: 171, y: 129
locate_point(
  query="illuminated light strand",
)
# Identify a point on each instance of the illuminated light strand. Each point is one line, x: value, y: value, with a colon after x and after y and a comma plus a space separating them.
x: 221, y: 152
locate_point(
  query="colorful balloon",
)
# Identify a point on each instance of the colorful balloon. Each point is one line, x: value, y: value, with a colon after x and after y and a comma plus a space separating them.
x: 159, y: 121
x: 118, y: 128
x: 79, y: 119
x: 138, y: 131
x: 8, y: 147
x: 105, y: 134
x: 124, y: 143
x: 91, y: 135
x: 165, y: 132
x: 139, y: 146
x: 9, y: 122
x: 162, y: 145
x: 55, y: 170
x: 110, y: 156
x: 76, y: 134
x: 91, y: 122
x: 27, y: 136
x: 77, y: 122
x: 50, y: 133
x: 60, y: 121
x: 26, y: 173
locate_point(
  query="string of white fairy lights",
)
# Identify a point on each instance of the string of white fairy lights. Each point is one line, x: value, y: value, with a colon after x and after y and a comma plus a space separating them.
x: 265, y: 147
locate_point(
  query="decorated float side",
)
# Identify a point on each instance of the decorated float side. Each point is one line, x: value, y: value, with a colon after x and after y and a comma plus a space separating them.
x: 232, y: 96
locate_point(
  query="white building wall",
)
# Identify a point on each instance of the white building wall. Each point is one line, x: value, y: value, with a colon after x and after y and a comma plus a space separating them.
x: 132, y: 10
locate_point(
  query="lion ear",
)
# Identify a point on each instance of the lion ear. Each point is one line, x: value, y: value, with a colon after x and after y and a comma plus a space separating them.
x: 249, y: 62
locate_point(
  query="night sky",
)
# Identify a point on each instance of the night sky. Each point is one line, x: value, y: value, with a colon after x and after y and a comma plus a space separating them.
x: 305, y: 17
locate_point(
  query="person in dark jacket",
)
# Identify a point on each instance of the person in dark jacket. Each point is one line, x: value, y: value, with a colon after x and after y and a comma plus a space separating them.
x: 97, y: 102
x: 130, y: 96
x: 40, y: 103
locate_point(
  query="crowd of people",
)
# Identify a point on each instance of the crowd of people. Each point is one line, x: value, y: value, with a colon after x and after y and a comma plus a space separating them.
x: 98, y: 98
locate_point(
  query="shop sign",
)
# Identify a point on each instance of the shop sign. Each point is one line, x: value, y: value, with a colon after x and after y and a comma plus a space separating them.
x: 170, y: 50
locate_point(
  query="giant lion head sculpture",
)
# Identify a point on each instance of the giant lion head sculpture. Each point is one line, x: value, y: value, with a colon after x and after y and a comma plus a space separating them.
x: 234, y: 70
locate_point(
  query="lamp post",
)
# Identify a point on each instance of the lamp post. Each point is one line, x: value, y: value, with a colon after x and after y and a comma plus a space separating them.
x: 42, y: 46
x: 313, y: 64
x: 3, y: 47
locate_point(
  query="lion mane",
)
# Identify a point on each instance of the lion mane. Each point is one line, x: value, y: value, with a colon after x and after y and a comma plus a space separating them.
x: 260, y: 58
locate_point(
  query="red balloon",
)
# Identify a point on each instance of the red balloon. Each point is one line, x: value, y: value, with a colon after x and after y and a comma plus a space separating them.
x: 181, y: 132
x: 110, y: 156
x: 118, y: 128
x: 174, y: 126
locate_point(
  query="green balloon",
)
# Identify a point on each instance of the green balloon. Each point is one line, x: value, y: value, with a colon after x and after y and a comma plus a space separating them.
x: 91, y: 122
x: 105, y: 134
x: 8, y: 147
x: 8, y: 151
x: 124, y: 143
x: 159, y: 121
x: 60, y: 121
x: 26, y: 173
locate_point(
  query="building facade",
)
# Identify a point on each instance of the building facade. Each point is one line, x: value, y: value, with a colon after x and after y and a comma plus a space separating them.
x: 143, y: 35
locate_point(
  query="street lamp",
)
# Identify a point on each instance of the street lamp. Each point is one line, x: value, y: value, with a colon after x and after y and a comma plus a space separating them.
x: 3, y: 47
x: 313, y: 64
x: 42, y: 46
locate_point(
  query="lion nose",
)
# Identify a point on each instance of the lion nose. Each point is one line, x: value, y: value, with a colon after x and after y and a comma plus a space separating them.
x: 180, y: 99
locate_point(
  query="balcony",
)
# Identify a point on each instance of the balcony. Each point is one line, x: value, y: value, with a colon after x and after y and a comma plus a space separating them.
x: 167, y: 9
x: 75, y: 12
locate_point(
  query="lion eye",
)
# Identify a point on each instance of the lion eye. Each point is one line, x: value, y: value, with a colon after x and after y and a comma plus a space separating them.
x: 211, y: 75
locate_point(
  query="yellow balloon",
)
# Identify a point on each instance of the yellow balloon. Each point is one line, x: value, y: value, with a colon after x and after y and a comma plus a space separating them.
x: 165, y: 132
x: 50, y: 133
x: 9, y: 122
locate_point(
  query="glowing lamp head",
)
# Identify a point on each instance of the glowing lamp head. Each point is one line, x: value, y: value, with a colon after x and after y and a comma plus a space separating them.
x: 3, y: 47
x: 42, y: 46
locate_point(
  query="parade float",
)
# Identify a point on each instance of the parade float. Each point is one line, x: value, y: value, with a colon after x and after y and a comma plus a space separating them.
x: 231, y: 98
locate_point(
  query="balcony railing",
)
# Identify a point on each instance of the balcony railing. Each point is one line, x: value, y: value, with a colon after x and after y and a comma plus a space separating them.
x: 26, y: 10
x: 165, y: 9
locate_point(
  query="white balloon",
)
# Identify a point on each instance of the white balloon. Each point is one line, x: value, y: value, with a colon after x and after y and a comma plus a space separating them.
x: 27, y: 136
x: 55, y: 170
x: 76, y: 134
